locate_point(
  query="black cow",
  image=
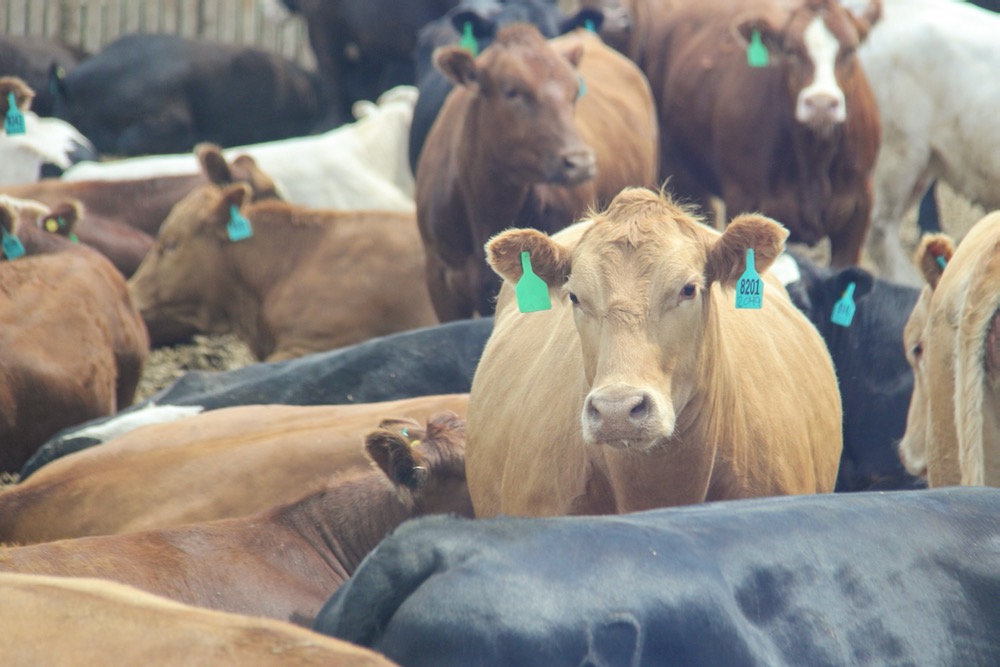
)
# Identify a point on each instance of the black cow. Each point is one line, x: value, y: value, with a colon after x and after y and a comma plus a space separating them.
x: 32, y: 59
x: 422, y: 362
x: 163, y: 94
x: 875, y: 379
x: 902, y: 578
x: 483, y: 18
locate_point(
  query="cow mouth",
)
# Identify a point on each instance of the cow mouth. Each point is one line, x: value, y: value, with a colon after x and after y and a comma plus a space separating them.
x: 574, y: 169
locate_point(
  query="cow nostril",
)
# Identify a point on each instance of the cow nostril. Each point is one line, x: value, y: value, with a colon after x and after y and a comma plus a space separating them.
x: 640, y: 409
x: 592, y: 412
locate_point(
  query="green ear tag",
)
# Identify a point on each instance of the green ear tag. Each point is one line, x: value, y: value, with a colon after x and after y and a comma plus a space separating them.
x: 12, y: 248
x: 750, y: 288
x: 238, y: 227
x: 942, y: 261
x: 583, y: 88
x: 14, y: 122
x: 73, y: 237
x: 532, y: 292
x: 469, y: 41
x: 756, y: 51
x: 589, y: 25
x: 843, y: 310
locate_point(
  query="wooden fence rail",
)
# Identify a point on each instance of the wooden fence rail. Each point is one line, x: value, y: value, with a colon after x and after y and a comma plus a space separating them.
x: 91, y: 24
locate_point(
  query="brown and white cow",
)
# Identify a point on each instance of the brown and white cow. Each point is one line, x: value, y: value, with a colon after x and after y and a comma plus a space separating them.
x: 533, y: 134
x: 72, y: 345
x: 644, y: 386
x: 795, y: 139
x: 952, y: 341
x: 285, y: 562
x: 70, y: 621
x: 218, y: 464
x: 306, y: 280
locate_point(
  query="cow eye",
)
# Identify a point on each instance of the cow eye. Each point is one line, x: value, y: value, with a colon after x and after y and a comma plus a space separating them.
x: 572, y: 298
x: 688, y: 291
x: 918, y: 351
x: 511, y: 93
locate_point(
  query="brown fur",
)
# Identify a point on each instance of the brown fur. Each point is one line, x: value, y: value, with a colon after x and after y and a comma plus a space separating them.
x: 219, y: 464
x: 285, y: 562
x: 735, y: 404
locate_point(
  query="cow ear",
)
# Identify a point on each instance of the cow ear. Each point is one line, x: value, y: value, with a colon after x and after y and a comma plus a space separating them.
x: 63, y: 217
x: 9, y: 219
x: 727, y: 258
x: 862, y: 279
x: 933, y: 254
x: 864, y: 14
x: 236, y: 195
x: 549, y: 260
x: 397, y: 457
x: 457, y: 64
x: 213, y: 164
x: 244, y: 168
x: 23, y: 94
x: 573, y: 53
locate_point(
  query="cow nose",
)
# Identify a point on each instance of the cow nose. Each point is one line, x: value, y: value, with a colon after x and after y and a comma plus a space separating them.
x: 620, y: 413
x: 822, y: 109
x: 577, y: 166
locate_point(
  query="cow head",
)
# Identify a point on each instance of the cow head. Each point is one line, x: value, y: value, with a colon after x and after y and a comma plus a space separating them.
x: 934, y: 251
x: 640, y: 282
x: 815, y: 45
x: 524, y: 97
x: 243, y: 168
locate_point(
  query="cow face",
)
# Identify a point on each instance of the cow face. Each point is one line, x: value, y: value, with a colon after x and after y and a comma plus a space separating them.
x: 640, y: 283
x: 180, y: 280
x: 524, y: 97
x: 815, y: 46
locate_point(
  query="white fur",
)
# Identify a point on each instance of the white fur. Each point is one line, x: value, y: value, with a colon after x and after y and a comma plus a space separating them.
x: 822, y: 47
x: 129, y: 421
x: 46, y: 140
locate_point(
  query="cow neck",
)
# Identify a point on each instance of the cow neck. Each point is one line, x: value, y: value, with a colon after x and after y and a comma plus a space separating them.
x: 815, y: 158
x: 348, y: 519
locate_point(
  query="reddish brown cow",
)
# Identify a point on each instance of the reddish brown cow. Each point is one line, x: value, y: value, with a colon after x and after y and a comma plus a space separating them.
x: 283, y: 563
x: 795, y: 140
x: 72, y: 345
x: 122, y: 217
x: 533, y: 133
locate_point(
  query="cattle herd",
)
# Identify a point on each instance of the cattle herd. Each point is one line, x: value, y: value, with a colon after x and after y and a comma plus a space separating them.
x: 582, y: 338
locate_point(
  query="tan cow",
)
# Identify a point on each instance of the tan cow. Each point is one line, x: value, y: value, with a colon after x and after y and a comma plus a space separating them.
x: 72, y: 345
x: 306, y: 280
x: 533, y: 133
x: 285, y: 562
x: 219, y: 464
x: 69, y: 621
x: 952, y: 341
x: 644, y: 386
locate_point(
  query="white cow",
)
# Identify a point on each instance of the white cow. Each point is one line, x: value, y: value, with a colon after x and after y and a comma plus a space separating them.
x: 363, y: 165
x: 933, y: 67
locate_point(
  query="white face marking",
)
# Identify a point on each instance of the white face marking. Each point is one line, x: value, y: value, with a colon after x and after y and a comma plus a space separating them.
x: 822, y: 101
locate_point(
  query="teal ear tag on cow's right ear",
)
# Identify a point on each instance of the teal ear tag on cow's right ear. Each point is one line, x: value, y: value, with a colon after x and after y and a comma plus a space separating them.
x: 532, y: 292
x: 750, y: 288
x: 238, y: 227
x: 589, y: 25
x: 468, y: 40
x: 12, y: 248
x: 756, y: 51
x: 941, y: 261
x: 13, y: 123
x: 843, y: 310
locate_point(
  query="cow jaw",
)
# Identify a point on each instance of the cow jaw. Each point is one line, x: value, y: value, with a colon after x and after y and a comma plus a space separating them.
x: 624, y: 416
x: 820, y: 105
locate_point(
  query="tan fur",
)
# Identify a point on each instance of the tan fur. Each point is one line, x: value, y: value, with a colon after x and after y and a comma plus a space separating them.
x: 742, y: 403
x: 69, y: 621
x: 219, y: 464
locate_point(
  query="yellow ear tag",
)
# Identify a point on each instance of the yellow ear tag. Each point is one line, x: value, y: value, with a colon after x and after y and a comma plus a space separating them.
x: 51, y: 225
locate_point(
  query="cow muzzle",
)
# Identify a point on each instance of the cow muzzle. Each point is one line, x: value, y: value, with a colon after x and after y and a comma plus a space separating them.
x: 575, y: 166
x: 626, y: 417
x: 821, y: 110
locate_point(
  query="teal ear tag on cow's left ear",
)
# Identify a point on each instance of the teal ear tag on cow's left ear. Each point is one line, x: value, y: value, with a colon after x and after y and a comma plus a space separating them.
x: 468, y: 40
x: 589, y: 25
x: 13, y: 123
x: 12, y: 248
x: 532, y: 292
x: 238, y: 227
x: 843, y: 310
x: 583, y: 88
x: 756, y: 51
x: 750, y: 288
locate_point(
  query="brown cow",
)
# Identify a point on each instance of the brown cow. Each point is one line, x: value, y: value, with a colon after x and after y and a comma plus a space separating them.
x: 219, y: 464
x: 952, y: 341
x: 533, y: 133
x: 306, y: 280
x: 66, y: 621
x: 795, y: 140
x: 72, y: 345
x: 285, y: 562
x: 663, y: 393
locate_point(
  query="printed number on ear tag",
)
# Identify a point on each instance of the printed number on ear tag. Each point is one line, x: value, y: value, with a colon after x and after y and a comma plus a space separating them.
x: 532, y: 292
x: 238, y: 227
x: 750, y: 288
x: 12, y: 248
x: 756, y: 51
x: 13, y: 123
x: 843, y: 310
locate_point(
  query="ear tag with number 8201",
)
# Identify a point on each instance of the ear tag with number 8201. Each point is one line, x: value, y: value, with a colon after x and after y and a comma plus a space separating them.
x: 750, y: 288
x: 13, y: 123
x: 238, y: 227
x: 843, y: 310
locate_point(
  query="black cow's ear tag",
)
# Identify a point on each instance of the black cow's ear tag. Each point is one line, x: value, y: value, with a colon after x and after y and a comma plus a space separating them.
x: 843, y: 310
x: 756, y: 51
x: 468, y: 40
x: 12, y: 248
x: 238, y: 227
x: 13, y: 123
x: 750, y: 288
x: 532, y: 292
